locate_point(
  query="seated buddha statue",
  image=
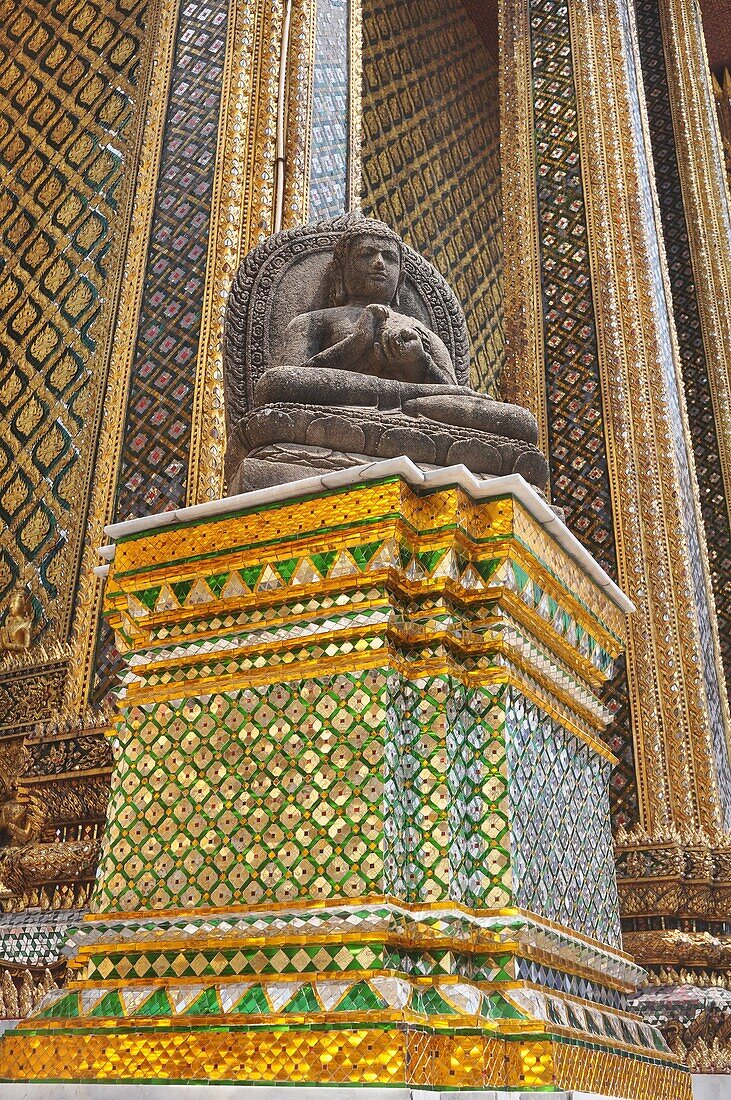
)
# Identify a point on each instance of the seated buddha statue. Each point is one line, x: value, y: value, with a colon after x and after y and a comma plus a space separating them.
x: 360, y: 351
x: 360, y: 379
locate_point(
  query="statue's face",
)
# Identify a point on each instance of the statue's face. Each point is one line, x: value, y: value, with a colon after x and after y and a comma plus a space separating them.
x: 373, y: 270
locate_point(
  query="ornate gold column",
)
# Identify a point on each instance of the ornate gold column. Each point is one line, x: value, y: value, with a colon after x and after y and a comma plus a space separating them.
x: 524, y: 371
x: 591, y: 278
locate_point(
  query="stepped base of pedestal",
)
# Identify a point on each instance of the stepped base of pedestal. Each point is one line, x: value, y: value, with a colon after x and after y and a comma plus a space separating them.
x: 377, y: 993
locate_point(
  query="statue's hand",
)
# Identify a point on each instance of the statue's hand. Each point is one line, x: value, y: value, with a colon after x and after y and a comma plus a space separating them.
x: 361, y: 341
x: 403, y: 349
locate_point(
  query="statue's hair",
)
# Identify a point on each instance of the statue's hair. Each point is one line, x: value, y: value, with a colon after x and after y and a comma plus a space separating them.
x: 335, y: 293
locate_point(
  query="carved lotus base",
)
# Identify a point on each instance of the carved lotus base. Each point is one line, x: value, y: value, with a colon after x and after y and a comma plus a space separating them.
x: 286, y: 442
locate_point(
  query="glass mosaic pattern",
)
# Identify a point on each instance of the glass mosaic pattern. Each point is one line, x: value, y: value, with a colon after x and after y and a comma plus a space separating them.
x: 155, y: 450
x: 431, y: 154
x: 68, y: 76
x: 560, y: 825
x: 157, y: 425
x: 579, y: 473
x: 329, y: 159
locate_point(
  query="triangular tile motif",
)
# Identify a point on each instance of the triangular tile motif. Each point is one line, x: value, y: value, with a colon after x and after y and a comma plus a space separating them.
x: 286, y: 569
x: 435, y: 1005
x: 149, y: 597
x: 156, y: 1005
x: 234, y: 586
x: 329, y: 993
x: 305, y: 573
x: 199, y: 593
x: 132, y: 999
x: 181, y: 590
x: 363, y: 555
x: 183, y: 997
x: 521, y: 578
x: 429, y: 559
x: 166, y: 600
x: 471, y: 579
x: 495, y: 1007
x: 66, y: 1006
x: 343, y: 566
x: 396, y: 991
x: 415, y: 571
x: 136, y: 609
x: 386, y: 557
x: 207, y: 1004
x: 465, y: 999
x: 323, y: 561
x: 231, y: 995
x: 281, y: 993
x: 361, y: 998
x: 250, y: 575
x: 487, y: 568
x: 216, y: 583
x: 269, y: 580
x: 253, y: 1002
x: 305, y: 1000
x: 447, y: 567
x: 109, y: 1005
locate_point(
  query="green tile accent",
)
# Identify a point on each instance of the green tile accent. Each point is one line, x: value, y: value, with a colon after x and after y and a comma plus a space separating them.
x: 286, y: 568
x: 181, y: 589
x: 486, y: 567
x: 435, y: 1005
x: 204, y: 1005
x: 156, y: 1005
x: 217, y: 583
x: 67, y: 1006
x: 149, y: 596
x: 304, y: 1001
x: 431, y: 558
x: 361, y: 997
x: 250, y: 574
x: 323, y: 561
x: 361, y: 554
x: 109, y: 1005
x: 253, y: 1001
x: 495, y: 1007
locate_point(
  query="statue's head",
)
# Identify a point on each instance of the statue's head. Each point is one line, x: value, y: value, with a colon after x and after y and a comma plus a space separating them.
x: 367, y: 265
x: 20, y: 604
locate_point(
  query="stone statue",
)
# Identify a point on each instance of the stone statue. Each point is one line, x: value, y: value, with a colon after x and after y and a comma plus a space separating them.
x: 15, y: 633
x: 366, y: 374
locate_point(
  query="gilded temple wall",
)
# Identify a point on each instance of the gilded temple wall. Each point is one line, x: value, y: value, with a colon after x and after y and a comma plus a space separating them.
x: 431, y: 154
x: 70, y: 75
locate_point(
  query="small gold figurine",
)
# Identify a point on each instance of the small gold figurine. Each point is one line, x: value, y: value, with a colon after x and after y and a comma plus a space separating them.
x: 15, y: 633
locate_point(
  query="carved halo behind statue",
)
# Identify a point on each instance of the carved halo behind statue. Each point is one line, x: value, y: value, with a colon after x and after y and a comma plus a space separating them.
x: 343, y: 346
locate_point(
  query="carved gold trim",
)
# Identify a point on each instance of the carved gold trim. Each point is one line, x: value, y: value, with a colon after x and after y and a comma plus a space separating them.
x: 355, y: 105
x: 524, y: 371
x: 639, y: 362
x: 154, y: 87
x: 242, y: 213
x: 705, y: 190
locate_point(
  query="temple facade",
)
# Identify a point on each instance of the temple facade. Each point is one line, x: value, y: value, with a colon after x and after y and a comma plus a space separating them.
x: 564, y: 166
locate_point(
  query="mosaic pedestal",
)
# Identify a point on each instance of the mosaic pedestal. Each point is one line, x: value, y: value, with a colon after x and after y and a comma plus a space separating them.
x: 359, y: 823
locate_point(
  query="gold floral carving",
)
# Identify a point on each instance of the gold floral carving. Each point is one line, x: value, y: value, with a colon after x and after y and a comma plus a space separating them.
x: 524, y: 371
x: 640, y: 386
x: 162, y: 20
x: 243, y: 203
